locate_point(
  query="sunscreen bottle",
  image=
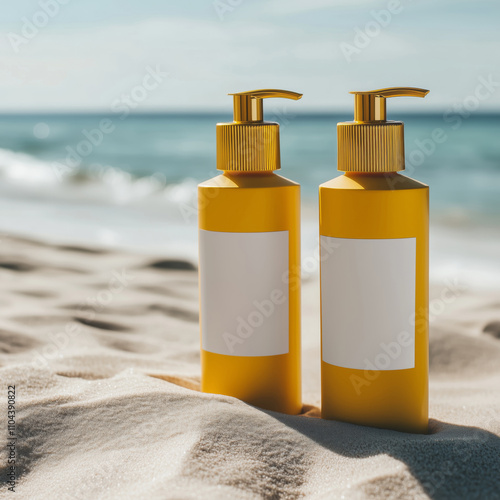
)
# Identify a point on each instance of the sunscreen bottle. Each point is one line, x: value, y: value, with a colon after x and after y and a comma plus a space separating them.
x: 374, y: 275
x: 249, y: 271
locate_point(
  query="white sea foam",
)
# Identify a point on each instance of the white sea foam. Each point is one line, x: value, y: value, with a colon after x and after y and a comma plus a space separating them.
x: 23, y: 169
x: 22, y: 173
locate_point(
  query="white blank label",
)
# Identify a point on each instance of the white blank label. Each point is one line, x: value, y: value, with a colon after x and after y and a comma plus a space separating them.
x: 368, y: 303
x: 244, y: 292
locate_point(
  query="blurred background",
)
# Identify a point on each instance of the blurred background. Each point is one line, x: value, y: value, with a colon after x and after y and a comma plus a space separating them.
x: 108, y: 112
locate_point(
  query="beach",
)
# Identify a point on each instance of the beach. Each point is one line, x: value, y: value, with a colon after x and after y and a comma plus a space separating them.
x: 113, y: 114
x: 102, y: 346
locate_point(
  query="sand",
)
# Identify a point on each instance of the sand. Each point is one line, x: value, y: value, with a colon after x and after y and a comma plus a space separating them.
x: 102, y: 347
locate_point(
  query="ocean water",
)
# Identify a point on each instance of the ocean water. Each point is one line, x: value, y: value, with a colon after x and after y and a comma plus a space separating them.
x: 131, y: 181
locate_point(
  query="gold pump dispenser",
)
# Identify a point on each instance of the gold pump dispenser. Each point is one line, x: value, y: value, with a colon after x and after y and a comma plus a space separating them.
x: 249, y: 143
x: 371, y: 143
x: 249, y: 240
x: 375, y: 283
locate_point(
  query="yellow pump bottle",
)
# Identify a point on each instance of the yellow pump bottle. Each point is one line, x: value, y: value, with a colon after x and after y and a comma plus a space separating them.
x: 249, y: 249
x: 374, y: 276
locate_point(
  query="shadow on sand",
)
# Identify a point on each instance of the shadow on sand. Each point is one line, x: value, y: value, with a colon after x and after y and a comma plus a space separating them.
x: 451, y: 462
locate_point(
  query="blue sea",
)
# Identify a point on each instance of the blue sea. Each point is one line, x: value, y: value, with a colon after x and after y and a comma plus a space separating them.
x: 130, y: 182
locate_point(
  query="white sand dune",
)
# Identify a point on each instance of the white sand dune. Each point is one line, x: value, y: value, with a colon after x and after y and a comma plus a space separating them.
x: 103, y: 350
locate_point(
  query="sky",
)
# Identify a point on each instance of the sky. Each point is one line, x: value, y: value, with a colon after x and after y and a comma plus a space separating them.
x: 158, y: 55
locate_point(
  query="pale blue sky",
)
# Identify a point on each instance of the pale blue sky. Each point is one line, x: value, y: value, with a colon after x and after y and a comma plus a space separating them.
x: 90, y: 53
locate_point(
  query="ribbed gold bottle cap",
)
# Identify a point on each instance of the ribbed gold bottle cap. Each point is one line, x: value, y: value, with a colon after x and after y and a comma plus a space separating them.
x: 249, y: 144
x: 371, y: 143
x: 248, y: 147
x: 370, y: 147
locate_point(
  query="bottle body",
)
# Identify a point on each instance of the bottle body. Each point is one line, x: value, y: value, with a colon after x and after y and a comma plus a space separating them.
x: 249, y: 230
x: 374, y: 300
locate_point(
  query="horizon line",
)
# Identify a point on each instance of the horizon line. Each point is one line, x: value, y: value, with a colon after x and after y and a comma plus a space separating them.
x: 189, y: 112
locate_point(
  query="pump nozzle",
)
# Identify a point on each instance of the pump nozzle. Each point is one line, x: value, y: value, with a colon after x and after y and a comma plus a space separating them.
x: 248, y: 105
x: 369, y: 106
x: 249, y: 144
x: 371, y: 143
